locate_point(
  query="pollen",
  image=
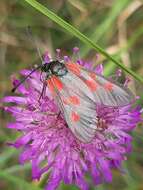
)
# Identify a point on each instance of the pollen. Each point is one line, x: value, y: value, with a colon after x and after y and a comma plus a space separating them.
x: 75, y: 117
x: 92, y: 85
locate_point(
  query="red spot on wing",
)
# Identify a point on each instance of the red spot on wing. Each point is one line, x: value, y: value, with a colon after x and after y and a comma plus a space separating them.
x: 92, y: 85
x: 74, y: 100
x: 54, y: 83
x: 108, y: 86
x: 75, y: 117
x: 57, y: 83
x: 50, y: 86
x: 74, y: 68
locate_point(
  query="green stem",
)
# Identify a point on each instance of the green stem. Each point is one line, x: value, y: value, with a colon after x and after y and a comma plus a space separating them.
x: 79, y: 35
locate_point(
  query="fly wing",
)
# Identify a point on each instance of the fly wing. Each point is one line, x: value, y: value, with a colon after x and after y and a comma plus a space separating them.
x: 79, y: 110
x: 105, y: 92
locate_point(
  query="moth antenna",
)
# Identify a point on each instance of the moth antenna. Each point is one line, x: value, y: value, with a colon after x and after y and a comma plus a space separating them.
x: 23, y: 80
x: 33, y: 40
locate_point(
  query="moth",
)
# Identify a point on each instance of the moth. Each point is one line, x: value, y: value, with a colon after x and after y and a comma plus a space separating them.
x: 77, y: 92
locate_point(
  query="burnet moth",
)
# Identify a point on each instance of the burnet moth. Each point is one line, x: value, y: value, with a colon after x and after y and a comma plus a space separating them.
x: 77, y: 92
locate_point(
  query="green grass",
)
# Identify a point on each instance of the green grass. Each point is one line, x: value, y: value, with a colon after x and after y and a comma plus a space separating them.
x: 71, y: 29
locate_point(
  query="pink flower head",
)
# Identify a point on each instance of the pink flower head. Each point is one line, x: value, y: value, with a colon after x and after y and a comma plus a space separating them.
x: 50, y: 145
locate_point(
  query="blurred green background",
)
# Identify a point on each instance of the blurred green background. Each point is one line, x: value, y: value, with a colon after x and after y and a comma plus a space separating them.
x: 116, y: 26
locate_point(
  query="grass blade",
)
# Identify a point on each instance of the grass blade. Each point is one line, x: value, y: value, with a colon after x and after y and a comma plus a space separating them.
x: 22, y: 184
x: 79, y: 35
x: 107, y: 23
x: 17, y: 168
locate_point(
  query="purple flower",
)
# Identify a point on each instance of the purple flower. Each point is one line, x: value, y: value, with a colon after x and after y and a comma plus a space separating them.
x: 50, y: 145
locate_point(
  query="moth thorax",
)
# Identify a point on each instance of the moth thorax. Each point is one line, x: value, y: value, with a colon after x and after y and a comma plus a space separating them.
x: 58, y: 68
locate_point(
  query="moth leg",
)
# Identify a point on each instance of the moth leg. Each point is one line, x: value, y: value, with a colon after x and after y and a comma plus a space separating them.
x: 58, y: 115
x: 41, y: 79
x: 43, y: 91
